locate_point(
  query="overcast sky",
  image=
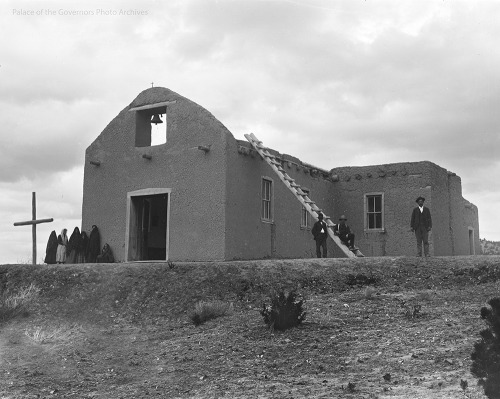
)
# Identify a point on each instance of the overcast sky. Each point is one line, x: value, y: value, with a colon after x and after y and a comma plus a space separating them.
x: 334, y: 83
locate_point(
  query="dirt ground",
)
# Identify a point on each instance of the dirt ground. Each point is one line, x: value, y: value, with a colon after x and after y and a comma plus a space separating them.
x: 375, y: 328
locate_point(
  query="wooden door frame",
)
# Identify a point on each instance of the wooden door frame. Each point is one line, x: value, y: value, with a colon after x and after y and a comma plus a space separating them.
x: 144, y: 193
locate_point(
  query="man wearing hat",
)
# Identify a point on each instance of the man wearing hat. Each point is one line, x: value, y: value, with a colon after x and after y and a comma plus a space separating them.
x: 344, y: 232
x: 320, y: 235
x: 421, y: 224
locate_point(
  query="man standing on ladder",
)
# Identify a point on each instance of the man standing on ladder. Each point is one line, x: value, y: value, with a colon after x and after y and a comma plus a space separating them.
x: 320, y: 235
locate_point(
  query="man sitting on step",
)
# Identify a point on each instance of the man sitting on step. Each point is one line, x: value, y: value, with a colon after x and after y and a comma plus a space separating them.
x: 343, y: 231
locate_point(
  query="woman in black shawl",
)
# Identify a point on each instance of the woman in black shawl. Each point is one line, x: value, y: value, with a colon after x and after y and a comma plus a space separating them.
x: 83, y: 249
x: 106, y: 255
x: 73, y: 244
x: 50, y: 253
x: 94, y: 244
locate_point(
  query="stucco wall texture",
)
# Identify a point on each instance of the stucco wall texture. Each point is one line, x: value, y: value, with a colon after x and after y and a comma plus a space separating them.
x: 196, y: 178
x: 215, y: 196
x: 401, y: 184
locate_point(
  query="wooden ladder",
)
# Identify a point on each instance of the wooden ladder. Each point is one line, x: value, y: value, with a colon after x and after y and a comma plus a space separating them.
x: 303, y: 198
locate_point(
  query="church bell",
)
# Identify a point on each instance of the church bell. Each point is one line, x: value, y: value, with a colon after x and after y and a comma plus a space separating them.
x: 156, y: 119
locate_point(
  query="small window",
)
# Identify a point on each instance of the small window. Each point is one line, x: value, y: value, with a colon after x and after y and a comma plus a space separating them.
x: 304, y: 215
x: 267, y: 195
x: 374, y: 206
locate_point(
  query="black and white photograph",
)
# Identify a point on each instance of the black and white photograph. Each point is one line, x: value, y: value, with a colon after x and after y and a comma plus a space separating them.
x: 249, y: 199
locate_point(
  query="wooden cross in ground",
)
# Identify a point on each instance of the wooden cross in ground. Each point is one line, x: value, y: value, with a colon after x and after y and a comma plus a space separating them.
x: 33, y: 224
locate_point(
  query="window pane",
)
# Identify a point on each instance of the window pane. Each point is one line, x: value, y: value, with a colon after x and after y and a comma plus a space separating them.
x: 266, y: 199
x: 370, y: 204
x: 378, y: 220
x: 378, y: 203
x: 264, y: 190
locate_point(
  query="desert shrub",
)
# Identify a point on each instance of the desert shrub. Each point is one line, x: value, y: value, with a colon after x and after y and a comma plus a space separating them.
x: 486, y: 354
x: 14, y: 304
x: 284, y: 312
x: 205, y: 311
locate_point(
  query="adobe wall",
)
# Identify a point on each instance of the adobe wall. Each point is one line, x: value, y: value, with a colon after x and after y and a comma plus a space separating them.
x: 215, y: 201
x: 471, y: 219
x: 464, y: 218
x: 454, y: 216
x: 442, y: 214
x: 196, y: 178
x: 400, y: 184
x: 248, y: 237
x: 471, y: 216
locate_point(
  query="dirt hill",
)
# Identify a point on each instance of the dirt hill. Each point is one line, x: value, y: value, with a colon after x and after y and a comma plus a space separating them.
x: 375, y: 328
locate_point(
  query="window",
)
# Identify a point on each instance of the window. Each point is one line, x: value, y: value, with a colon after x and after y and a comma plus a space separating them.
x: 304, y: 216
x: 267, y: 195
x: 374, y: 211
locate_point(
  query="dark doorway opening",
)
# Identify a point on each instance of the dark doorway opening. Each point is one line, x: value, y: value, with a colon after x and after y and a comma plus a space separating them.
x: 148, y: 227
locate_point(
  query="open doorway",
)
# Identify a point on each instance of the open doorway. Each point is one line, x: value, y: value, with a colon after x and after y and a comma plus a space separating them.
x: 147, y: 225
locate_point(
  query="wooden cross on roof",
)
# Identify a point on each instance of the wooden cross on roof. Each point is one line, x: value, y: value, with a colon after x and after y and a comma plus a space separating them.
x: 33, y: 222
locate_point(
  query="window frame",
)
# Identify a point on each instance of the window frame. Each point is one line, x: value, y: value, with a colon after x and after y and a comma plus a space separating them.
x: 304, y: 213
x: 264, y: 217
x: 367, y: 196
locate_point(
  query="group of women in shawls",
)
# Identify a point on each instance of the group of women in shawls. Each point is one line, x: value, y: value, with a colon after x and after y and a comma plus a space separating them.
x: 78, y: 248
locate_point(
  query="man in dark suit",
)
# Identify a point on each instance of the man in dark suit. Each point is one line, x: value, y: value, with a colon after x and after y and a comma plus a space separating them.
x: 421, y: 224
x: 320, y: 235
x: 344, y: 232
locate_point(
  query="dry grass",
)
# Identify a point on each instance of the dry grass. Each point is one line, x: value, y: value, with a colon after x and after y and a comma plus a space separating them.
x: 11, y: 305
x: 205, y: 311
x: 41, y: 335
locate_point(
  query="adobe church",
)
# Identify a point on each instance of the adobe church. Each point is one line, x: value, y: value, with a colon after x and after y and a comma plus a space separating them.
x: 165, y: 180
